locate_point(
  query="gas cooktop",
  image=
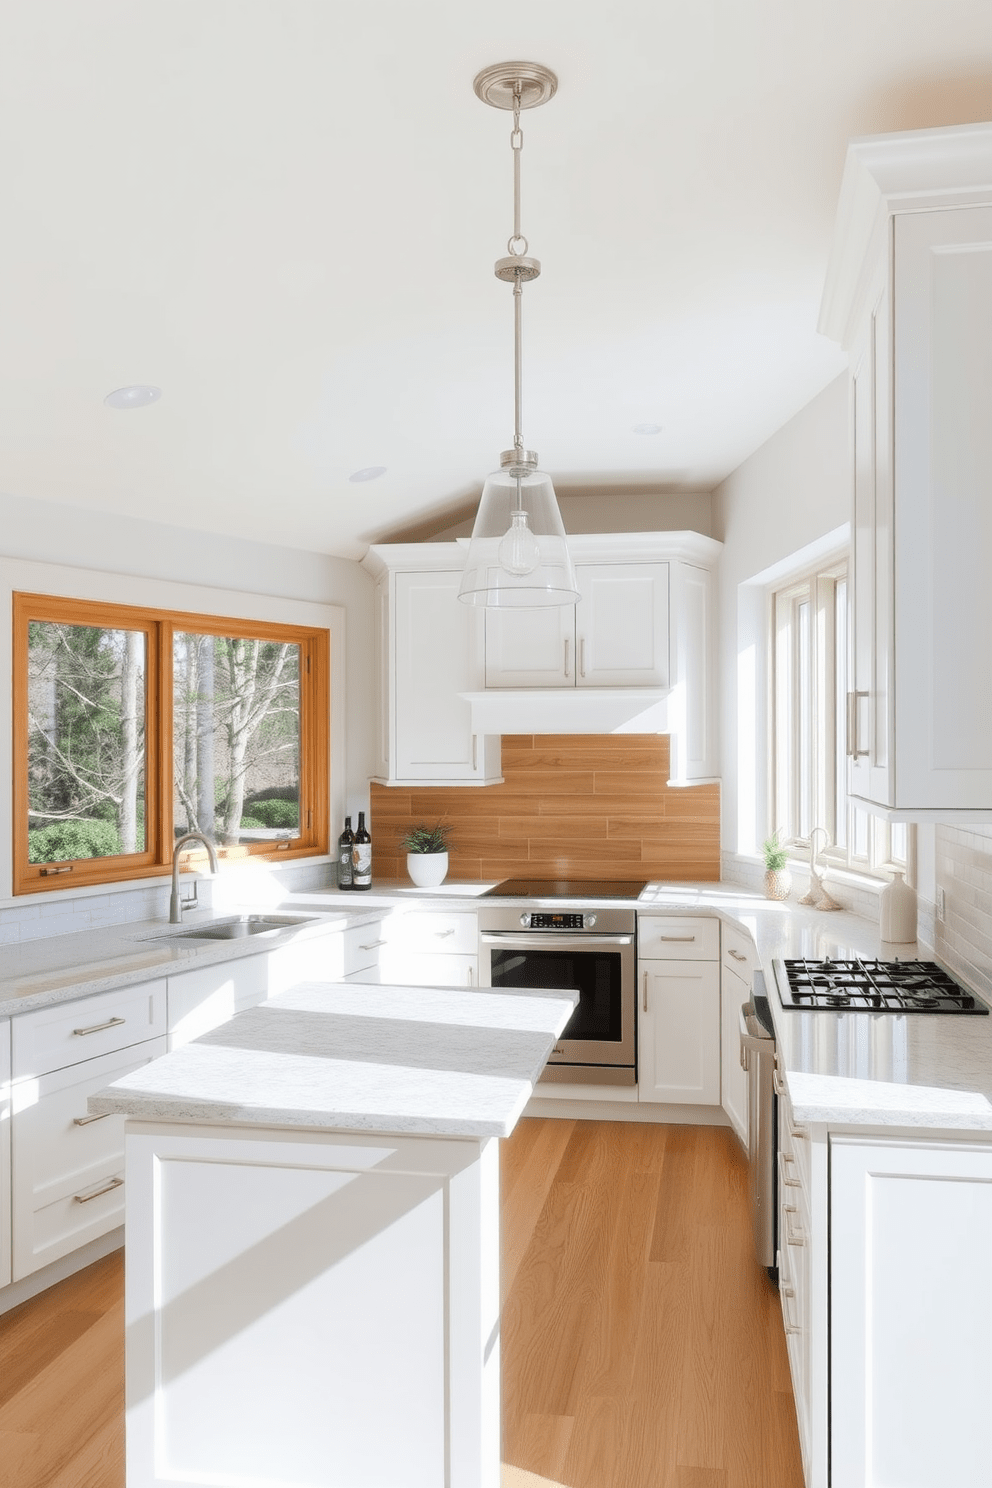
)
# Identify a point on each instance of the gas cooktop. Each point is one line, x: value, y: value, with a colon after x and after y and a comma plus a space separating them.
x: 872, y: 987
x: 565, y: 888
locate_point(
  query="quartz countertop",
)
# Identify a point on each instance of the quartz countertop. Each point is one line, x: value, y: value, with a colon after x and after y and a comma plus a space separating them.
x: 335, y: 1056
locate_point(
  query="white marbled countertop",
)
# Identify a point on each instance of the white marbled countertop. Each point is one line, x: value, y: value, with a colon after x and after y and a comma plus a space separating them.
x: 843, y: 1068
x: 333, y: 1056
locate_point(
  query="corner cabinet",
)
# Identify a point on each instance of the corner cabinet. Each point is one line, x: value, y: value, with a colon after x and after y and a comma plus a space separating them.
x: 909, y: 294
x: 635, y: 654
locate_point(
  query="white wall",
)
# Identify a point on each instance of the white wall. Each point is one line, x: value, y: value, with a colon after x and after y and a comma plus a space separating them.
x: 161, y: 553
x: 791, y: 495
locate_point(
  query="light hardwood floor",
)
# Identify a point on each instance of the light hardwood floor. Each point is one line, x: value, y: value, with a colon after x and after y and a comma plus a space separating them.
x: 642, y: 1344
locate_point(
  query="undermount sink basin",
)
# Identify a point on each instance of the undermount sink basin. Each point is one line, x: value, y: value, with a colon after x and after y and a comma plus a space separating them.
x: 238, y: 927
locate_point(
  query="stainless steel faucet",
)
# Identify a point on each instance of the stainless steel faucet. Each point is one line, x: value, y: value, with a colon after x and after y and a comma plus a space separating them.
x: 175, y: 903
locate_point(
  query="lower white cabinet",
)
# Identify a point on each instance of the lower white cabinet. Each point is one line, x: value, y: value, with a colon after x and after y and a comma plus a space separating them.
x: 427, y: 948
x: 910, y: 1312
x: 68, y: 1166
x: 5, y: 1218
x: 205, y: 998
x: 678, y: 1055
x: 738, y: 959
x: 678, y: 1013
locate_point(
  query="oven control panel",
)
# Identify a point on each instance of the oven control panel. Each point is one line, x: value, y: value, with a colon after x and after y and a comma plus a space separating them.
x: 567, y: 921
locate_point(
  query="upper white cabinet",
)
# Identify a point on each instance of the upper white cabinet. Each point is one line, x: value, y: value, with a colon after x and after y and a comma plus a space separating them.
x: 616, y: 636
x: 909, y: 293
x: 636, y: 653
x: 430, y: 650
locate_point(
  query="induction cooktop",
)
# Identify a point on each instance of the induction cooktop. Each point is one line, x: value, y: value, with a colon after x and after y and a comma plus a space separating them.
x: 565, y: 888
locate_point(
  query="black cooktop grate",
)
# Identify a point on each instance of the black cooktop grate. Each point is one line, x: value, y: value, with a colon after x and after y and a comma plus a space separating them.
x: 873, y: 987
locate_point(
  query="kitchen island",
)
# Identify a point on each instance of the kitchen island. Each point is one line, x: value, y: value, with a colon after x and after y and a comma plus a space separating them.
x: 312, y: 1276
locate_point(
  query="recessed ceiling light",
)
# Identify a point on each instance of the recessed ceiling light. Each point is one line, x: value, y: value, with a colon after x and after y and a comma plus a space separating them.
x: 371, y: 472
x: 646, y: 429
x: 138, y: 395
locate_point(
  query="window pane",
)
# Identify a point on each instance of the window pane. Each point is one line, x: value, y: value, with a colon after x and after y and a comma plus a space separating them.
x: 898, y: 842
x: 840, y: 712
x: 805, y: 720
x: 86, y: 742
x: 861, y: 833
x: 236, y: 736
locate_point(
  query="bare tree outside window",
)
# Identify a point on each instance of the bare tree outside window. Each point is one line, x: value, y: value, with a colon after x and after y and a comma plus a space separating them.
x: 86, y: 727
x: 236, y: 737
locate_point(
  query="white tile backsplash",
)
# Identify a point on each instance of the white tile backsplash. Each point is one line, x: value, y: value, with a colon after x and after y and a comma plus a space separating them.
x: 964, y: 872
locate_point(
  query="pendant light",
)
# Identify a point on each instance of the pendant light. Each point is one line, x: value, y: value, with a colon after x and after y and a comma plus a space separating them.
x: 518, y: 555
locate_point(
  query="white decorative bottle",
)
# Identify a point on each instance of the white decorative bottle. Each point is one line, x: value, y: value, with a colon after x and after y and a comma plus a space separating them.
x: 897, y: 912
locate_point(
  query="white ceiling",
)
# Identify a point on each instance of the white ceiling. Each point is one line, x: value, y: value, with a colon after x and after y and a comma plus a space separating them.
x: 285, y: 213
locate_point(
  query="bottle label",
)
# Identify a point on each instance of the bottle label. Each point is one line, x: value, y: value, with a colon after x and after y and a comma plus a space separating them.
x: 361, y: 861
x: 344, y: 868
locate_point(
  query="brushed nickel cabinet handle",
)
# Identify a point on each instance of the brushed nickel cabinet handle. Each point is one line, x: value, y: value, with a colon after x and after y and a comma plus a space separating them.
x: 736, y: 954
x: 471, y: 976
x: 372, y: 944
x: 853, y: 751
x: 645, y: 991
x: 475, y: 751
x: 85, y: 1120
x: 99, y: 1027
x: 582, y: 657
x: 107, y: 1188
x: 677, y: 938
x: 442, y: 934
x: 568, y: 648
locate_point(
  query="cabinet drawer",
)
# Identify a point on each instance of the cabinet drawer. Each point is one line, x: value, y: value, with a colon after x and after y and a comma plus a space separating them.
x: 399, y: 967
x: 793, y: 1142
x: 670, y: 939
x: 434, y: 930
x: 738, y: 951
x: 362, y: 944
x: 51, y: 1038
x: 68, y: 1167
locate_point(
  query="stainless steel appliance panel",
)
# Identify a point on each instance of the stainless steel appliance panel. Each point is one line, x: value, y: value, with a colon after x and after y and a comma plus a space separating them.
x: 758, y: 1059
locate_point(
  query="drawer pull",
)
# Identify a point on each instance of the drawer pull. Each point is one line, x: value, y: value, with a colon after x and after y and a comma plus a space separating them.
x: 787, y: 1291
x: 677, y: 938
x: 441, y: 934
x: 107, y: 1188
x: 85, y: 1120
x: 371, y: 945
x: 645, y: 991
x: 777, y: 1084
x: 99, y: 1027
x: 737, y: 955
x: 471, y: 976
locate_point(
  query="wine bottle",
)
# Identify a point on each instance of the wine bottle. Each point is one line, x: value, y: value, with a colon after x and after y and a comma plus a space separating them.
x: 361, y: 856
x: 346, y: 845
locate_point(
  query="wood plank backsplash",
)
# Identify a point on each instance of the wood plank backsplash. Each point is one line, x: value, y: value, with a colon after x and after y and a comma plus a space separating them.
x: 570, y: 806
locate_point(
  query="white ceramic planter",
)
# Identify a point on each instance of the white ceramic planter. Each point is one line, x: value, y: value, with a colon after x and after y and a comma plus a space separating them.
x: 427, y: 869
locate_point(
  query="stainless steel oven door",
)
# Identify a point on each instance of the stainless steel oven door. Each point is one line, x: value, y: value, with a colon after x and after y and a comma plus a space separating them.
x: 598, y: 1043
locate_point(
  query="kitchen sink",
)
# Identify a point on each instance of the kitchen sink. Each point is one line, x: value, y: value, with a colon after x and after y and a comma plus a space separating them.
x: 238, y: 927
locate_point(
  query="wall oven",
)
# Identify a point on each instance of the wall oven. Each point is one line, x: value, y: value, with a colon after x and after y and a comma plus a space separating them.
x: 592, y: 951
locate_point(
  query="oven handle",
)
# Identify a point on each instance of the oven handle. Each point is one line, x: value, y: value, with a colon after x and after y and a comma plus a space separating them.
x: 512, y: 940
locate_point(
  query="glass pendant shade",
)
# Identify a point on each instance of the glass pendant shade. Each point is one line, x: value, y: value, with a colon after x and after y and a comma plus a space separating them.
x: 518, y: 555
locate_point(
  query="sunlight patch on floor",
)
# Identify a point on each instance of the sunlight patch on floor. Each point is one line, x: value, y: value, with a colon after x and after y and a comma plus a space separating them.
x: 516, y: 1477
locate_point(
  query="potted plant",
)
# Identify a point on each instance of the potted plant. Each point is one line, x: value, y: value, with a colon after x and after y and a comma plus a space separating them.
x: 778, y: 879
x: 427, y: 854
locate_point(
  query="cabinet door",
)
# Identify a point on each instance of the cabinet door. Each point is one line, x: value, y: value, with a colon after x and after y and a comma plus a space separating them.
x: 943, y: 532
x: 68, y: 1166
x: 910, y: 1304
x: 435, y: 661
x: 531, y: 648
x: 4, y: 1152
x: 870, y: 698
x: 621, y: 625
x: 733, y: 1081
x: 204, y: 999
x: 678, y: 1032
x: 402, y: 968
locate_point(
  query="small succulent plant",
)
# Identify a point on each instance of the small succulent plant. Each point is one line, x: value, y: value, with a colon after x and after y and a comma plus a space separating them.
x: 424, y: 839
x: 775, y: 855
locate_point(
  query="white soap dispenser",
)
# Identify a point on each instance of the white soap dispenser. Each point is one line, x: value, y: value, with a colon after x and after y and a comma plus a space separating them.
x: 897, y: 912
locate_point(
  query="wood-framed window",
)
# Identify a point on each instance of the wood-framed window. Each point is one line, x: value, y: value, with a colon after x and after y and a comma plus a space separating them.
x: 133, y: 726
x: 811, y: 656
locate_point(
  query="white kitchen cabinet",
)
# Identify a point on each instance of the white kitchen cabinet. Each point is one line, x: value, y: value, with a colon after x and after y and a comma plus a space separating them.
x: 68, y: 1166
x: 429, y: 948
x: 738, y: 958
x: 910, y: 1312
x: 334, y: 957
x: 678, y: 1018
x: 66, y: 1033
x: 909, y: 293
x: 5, y: 1194
x: 617, y: 635
x: 430, y: 650
x: 206, y: 997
